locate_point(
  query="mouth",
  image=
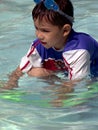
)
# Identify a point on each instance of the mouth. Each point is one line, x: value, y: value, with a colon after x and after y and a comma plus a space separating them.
x: 44, y: 43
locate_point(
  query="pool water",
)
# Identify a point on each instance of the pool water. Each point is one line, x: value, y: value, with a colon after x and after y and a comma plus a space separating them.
x: 43, y: 104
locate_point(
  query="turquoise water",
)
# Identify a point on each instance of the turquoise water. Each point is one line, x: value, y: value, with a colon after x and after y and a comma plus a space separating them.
x: 39, y: 104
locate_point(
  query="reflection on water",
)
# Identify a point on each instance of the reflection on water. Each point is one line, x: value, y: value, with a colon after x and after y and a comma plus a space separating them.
x: 53, y: 96
x: 43, y: 104
x: 50, y: 107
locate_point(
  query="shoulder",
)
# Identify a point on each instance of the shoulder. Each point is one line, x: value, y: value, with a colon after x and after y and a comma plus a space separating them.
x: 37, y: 45
x: 79, y: 40
x: 87, y: 42
x: 82, y: 36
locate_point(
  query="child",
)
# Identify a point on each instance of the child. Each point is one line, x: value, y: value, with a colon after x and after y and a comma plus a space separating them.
x: 57, y: 47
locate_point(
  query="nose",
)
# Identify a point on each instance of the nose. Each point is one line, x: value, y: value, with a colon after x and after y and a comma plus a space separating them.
x: 39, y: 35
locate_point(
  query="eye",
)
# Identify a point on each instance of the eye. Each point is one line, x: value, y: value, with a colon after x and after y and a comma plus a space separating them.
x: 45, y: 30
x: 42, y: 29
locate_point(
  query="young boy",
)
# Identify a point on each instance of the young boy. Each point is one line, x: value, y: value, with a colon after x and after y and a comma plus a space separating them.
x: 57, y: 47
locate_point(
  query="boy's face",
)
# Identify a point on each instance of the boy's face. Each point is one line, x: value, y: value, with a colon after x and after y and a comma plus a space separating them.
x: 50, y: 35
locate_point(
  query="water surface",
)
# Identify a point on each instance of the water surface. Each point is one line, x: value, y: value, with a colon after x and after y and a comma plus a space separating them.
x: 39, y: 104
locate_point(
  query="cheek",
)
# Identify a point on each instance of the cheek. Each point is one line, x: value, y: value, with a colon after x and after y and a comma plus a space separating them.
x: 57, y: 36
x: 54, y: 37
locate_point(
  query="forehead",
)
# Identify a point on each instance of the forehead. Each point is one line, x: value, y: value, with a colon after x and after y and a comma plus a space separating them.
x: 44, y: 23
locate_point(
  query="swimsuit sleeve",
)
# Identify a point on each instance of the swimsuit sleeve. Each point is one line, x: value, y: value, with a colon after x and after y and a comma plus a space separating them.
x: 31, y: 59
x: 77, y: 63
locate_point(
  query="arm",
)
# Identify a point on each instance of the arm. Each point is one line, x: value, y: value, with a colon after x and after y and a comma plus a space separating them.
x: 13, y: 79
x: 16, y: 74
x: 78, y: 63
x: 39, y: 72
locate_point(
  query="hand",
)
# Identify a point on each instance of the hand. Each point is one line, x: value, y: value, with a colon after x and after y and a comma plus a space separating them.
x: 13, y: 79
x: 10, y: 85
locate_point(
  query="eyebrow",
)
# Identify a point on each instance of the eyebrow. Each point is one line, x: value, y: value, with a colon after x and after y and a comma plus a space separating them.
x: 43, y: 26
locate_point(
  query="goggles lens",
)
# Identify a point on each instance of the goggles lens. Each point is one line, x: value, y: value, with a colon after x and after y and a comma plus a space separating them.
x: 50, y: 4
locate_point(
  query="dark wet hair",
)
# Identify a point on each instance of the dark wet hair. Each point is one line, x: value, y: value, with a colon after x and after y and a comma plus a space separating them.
x: 55, y: 18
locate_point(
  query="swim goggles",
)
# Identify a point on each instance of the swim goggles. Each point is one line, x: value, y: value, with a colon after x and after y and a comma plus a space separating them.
x: 51, y: 4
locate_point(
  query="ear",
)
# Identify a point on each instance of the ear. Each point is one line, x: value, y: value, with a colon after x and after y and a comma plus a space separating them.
x: 66, y: 29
